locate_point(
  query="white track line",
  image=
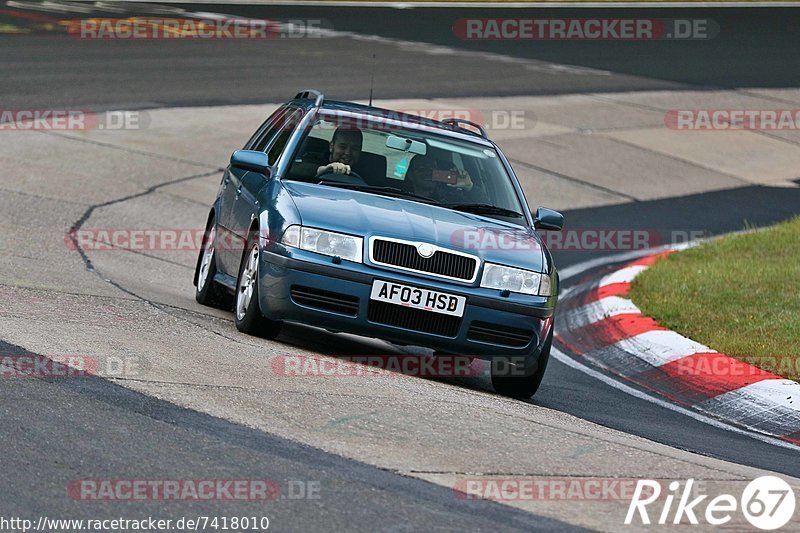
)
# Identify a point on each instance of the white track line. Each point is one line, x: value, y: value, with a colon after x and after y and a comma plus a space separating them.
x: 659, y: 347
x: 781, y: 393
x: 580, y: 268
x: 623, y: 275
x: 567, y: 360
x: 603, y: 308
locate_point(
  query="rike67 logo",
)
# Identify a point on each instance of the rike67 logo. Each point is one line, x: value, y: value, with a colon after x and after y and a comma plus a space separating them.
x: 767, y: 502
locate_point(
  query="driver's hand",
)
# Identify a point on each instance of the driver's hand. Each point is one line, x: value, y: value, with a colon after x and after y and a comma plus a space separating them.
x: 337, y: 168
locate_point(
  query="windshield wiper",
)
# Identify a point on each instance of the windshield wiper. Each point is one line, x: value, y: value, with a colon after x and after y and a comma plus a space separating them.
x: 484, y: 209
x: 389, y: 191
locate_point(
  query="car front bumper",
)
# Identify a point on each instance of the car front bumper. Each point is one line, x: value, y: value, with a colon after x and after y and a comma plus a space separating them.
x: 491, y: 326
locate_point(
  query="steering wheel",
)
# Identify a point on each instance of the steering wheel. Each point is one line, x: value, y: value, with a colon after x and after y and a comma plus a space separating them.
x: 353, y: 178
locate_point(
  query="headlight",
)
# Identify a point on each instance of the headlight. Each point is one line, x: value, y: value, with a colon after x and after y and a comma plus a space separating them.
x: 515, y: 280
x: 324, y: 242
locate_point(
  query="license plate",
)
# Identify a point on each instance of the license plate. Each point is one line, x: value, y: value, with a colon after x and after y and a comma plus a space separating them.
x: 427, y: 300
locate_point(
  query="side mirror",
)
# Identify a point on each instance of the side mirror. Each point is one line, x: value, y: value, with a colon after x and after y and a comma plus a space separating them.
x: 548, y: 219
x: 250, y: 160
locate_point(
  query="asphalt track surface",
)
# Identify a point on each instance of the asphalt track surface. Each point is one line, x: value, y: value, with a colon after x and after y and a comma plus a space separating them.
x: 152, y: 439
x: 754, y: 48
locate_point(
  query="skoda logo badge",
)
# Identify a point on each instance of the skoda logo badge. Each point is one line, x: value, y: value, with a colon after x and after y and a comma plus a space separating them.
x: 425, y: 250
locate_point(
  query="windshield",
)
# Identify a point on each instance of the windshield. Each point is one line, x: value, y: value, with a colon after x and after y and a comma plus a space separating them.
x: 411, y: 164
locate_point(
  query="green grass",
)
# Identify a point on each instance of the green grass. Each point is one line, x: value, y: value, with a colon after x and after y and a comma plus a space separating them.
x: 739, y: 295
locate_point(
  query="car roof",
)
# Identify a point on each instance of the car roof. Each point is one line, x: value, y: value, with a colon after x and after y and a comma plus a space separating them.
x: 410, y: 121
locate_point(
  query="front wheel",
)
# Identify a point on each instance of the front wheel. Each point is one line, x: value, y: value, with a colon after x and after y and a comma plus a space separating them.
x: 524, y: 386
x: 247, y: 313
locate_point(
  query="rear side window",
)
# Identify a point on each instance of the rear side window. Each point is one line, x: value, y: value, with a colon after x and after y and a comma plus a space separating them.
x: 292, y: 119
x: 261, y: 140
x: 264, y: 128
x: 270, y: 132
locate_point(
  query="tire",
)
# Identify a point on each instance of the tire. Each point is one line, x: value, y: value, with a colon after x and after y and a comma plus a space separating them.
x: 525, y: 386
x: 208, y: 291
x: 246, y: 311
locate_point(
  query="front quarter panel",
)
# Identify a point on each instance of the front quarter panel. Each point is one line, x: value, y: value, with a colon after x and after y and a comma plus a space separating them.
x: 278, y: 212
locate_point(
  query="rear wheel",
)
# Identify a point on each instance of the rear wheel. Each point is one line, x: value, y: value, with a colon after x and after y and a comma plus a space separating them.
x: 522, y: 386
x: 208, y: 291
x: 247, y: 313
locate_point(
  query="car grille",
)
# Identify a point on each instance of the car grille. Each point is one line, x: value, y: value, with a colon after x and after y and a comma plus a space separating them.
x: 334, y: 302
x: 414, y: 319
x: 499, y: 335
x: 441, y: 263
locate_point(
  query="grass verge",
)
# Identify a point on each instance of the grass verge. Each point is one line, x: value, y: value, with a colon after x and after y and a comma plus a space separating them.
x: 739, y: 295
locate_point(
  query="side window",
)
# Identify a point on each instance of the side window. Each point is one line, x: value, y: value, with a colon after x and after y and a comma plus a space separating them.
x: 276, y: 124
x: 487, y: 189
x: 292, y: 120
x: 266, y: 129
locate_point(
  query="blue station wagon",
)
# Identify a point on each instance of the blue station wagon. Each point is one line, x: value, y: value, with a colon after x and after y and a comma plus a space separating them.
x: 374, y: 222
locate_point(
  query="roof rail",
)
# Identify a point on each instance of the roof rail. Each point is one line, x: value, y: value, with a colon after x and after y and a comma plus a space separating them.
x: 308, y: 93
x: 456, y: 122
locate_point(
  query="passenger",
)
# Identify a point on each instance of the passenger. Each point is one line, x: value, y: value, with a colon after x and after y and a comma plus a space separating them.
x: 425, y: 180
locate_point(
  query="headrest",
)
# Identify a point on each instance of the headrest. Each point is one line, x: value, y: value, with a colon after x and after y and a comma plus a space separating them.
x: 371, y: 167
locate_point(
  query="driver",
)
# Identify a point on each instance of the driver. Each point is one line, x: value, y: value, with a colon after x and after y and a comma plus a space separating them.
x: 344, y: 151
